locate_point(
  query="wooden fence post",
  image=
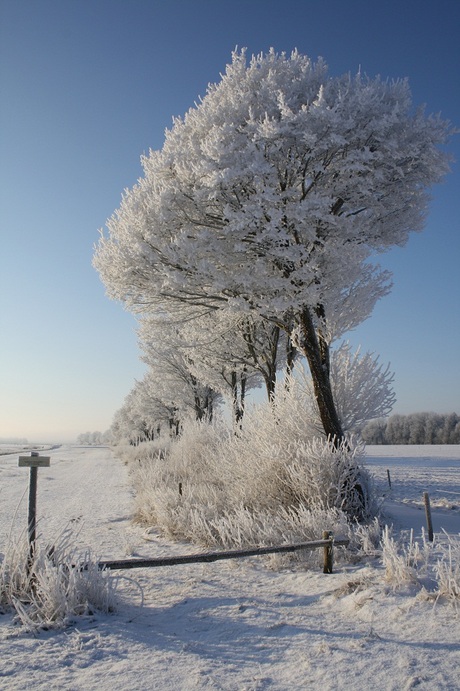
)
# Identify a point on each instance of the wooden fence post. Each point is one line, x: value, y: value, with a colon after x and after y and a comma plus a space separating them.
x: 32, y: 509
x: 429, y: 522
x: 327, y: 567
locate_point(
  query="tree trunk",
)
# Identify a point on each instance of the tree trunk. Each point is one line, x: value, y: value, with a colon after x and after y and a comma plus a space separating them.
x: 209, y: 406
x: 317, y: 354
x: 269, y: 372
x: 291, y: 354
x: 316, y: 351
x: 238, y: 399
x: 202, y: 401
x: 264, y: 359
x: 243, y: 380
x: 270, y: 383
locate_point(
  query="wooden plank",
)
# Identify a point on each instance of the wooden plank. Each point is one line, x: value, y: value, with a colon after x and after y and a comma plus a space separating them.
x: 216, y: 556
x: 34, y: 461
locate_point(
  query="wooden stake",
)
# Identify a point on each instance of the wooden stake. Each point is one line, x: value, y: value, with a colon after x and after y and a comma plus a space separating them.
x: 327, y: 567
x: 389, y: 478
x: 429, y: 522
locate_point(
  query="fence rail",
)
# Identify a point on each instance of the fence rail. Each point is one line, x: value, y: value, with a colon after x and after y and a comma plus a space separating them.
x: 327, y: 543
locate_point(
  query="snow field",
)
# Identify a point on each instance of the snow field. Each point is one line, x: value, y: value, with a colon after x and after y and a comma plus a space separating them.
x: 228, y: 625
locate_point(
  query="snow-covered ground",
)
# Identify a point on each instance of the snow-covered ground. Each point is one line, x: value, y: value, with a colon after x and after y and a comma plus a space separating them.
x: 413, y: 471
x: 232, y: 625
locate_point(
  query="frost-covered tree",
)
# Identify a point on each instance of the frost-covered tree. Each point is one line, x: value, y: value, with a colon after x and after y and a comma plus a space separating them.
x: 270, y: 196
x: 171, y: 375
x: 137, y: 418
x: 225, y: 345
x: 143, y: 414
x: 95, y: 438
x: 229, y: 353
x: 201, y: 353
x: 361, y: 386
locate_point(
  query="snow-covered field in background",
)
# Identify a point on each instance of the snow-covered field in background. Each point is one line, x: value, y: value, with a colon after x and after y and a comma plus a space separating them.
x: 413, y: 471
x: 232, y: 625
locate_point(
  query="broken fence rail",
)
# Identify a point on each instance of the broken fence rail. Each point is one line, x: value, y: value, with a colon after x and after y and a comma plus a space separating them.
x: 327, y: 542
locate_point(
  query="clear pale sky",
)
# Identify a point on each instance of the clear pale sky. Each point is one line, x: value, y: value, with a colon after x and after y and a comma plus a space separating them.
x: 87, y: 86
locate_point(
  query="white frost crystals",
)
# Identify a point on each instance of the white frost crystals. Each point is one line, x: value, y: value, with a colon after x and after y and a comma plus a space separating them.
x: 263, y: 193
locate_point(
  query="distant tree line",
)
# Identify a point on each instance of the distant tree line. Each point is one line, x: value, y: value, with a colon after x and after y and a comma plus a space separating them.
x: 94, y: 438
x: 417, y: 428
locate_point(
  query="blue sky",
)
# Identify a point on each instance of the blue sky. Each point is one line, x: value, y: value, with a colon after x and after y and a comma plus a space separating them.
x: 87, y: 86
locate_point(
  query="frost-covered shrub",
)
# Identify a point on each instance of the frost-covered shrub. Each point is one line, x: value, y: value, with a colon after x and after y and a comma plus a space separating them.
x: 423, y: 564
x: 279, y: 458
x: 133, y: 453
x: 274, y: 481
x: 49, y: 591
x: 447, y: 571
x: 400, y: 560
x: 185, y: 471
x: 365, y: 539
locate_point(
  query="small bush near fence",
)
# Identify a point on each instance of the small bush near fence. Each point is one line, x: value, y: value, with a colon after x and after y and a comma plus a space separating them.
x: 48, y: 591
x: 431, y: 569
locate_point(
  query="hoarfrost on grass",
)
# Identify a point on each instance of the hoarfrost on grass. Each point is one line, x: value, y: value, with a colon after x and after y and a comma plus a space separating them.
x: 54, y: 585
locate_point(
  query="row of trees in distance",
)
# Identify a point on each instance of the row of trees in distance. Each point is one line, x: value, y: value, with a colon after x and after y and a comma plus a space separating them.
x: 417, y: 428
x: 95, y: 438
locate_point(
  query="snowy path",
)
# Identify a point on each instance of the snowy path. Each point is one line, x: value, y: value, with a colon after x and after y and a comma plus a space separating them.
x: 229, y: 625
x: 84, y: 488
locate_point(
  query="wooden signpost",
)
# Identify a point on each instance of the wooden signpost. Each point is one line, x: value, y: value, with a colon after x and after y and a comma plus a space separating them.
x: 34, y: 462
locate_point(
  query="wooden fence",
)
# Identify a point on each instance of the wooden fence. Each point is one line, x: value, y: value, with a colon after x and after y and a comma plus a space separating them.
x: 328, y: 542
x: 35, y: 461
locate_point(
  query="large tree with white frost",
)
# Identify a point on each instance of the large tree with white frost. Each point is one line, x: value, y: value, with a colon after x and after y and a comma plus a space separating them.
x: 270, y: 196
